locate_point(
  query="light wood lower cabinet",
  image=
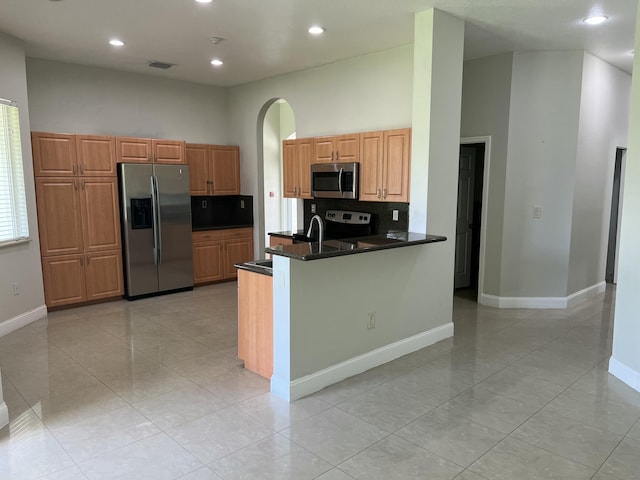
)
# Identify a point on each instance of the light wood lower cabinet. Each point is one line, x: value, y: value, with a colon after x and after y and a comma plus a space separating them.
x: 276, y: 240
x: 71, y: 279
x: 255, y: 322
x: 215, y: 252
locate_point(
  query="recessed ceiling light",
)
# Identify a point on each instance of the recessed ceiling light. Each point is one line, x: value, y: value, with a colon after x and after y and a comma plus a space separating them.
x: 116, y: 43
x: 216, y: 62
x: 595, y: 20
x: 316, y: 30
x: 204, y: 1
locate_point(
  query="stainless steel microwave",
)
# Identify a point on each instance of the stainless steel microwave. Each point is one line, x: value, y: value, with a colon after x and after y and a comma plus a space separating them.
x: 334, y: 180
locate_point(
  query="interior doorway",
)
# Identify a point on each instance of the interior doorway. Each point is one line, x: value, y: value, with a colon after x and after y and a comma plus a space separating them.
x: 279, y: 213
x: 611, y: 271
x: 469, y: 218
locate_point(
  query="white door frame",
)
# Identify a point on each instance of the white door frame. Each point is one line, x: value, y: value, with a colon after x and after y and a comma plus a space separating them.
x: 486, y: 140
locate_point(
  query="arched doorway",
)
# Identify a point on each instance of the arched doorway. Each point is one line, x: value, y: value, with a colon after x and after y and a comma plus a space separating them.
x: 277, y: 122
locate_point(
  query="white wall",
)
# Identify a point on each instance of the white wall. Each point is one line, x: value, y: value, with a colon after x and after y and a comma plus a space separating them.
x: 272, y: 169
x: 486, y: 99
x: 541, y: 159
x: 604, y: 118
x: 78, y: 99
x: 625, y: 361
x: 371, y: 92
x: 20, y: 263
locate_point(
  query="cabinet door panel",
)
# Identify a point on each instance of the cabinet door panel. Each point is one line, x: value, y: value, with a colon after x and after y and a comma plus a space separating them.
x: 64, y: 280
x: 236, y: 251
x: 103, y: 273
x: 168, y: 151
x: 347, y: 148
x: 100, y: 213
x: 197, y: 159
x: 133, y: 150
x: 323, y: 150
x: 397, y: 145
x: 207, y: 262
x: 225, y: 170
x: 59, y: 221
x: 289, y: 169
x: 305, y: 155
x: 96, y: 155
x: 371, y: 158
x: 54, y: 154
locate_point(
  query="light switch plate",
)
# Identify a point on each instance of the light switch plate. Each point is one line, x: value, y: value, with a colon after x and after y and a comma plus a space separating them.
x: 537, y: 212
x: 395, y: 215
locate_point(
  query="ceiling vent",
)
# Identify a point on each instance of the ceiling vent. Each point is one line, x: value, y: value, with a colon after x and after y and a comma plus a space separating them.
x: 162, y: 65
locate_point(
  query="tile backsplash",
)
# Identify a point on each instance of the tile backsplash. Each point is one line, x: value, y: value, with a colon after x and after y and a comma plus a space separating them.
x: 382, y: 211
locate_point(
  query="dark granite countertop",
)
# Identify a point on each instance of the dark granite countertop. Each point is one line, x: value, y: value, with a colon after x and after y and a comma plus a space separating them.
x: 224, y: 227
x: 263, y: 267
x: 349, y: 246
x: 287, y: 233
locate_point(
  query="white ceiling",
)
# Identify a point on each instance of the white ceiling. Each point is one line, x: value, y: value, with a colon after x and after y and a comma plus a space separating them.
x: 264, y: 38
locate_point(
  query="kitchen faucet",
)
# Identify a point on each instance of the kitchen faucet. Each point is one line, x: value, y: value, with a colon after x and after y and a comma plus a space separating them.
x: 320, y: 228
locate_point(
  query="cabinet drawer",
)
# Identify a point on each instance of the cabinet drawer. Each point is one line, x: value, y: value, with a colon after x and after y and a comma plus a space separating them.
x: 231, y: 233
x: 207, y: 236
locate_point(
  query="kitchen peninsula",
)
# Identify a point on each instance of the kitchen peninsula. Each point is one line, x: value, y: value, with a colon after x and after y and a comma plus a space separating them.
x: 343, y: 307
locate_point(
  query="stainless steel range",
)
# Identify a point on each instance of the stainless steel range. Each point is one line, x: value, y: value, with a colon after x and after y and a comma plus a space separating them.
x: 347, y: 224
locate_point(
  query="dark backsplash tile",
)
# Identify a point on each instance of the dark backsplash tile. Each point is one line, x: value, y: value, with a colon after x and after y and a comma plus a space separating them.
x: 382, y: 212
x: 221, y: 211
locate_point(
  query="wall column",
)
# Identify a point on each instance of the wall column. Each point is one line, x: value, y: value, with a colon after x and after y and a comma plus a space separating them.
x: 625, y: 361
x: 437, y: 100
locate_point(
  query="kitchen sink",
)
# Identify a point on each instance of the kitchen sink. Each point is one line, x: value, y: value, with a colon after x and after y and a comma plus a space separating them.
x: 261, y: 263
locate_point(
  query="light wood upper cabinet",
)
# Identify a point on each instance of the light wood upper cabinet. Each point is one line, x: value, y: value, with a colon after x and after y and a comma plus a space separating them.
x: 213, y: 169
x: 134, y: 150
x: 384, y: 165
x: 59, y: 221
x: 168, y: 151
x: 54, y: 154
x: 296, y: 166
x: 148, y: 150
x: 225, y: 170
x: 96, y: 155
x: 198, y: 161
x: 339, y: 149
x: 100, y: 214
x: 371, y: 160
x: 395, y: 176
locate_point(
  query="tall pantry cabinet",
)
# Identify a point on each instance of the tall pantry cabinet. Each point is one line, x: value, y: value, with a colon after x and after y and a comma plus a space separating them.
x: 78, y: 217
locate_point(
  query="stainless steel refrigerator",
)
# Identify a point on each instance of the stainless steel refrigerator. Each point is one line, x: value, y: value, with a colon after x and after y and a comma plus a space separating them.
x: 155, y: 204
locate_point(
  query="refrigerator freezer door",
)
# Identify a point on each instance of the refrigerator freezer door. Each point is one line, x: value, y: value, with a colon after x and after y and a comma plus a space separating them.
x: 137, y: 220
x: 175, y: 263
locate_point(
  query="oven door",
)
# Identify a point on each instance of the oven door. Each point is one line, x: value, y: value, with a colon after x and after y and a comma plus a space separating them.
x: 334, y: 180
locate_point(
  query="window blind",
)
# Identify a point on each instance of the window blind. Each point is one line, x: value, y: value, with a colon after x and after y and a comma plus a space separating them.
x: 13, y: 206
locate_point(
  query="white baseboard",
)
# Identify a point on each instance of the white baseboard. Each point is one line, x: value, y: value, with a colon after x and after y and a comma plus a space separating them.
x: 585, y: 293
x: 4, y: 414
x: 541, y: 302
x: 22, y: 320
x: 308, y: 384
x: 624, y: 373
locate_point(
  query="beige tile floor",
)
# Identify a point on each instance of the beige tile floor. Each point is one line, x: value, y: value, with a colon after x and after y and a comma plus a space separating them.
x: 152, y: 389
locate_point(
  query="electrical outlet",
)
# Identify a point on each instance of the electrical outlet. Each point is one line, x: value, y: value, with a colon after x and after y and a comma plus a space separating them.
x: 395, y: 215
x: 313, y: 208
x: 371, y: 323
x: 16, y: 288
x: 241, y: 203
x: 537, y: 212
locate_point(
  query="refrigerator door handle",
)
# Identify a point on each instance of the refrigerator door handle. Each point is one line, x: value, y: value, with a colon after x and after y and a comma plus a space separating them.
x: 158, y: 223
x: 155, y: 218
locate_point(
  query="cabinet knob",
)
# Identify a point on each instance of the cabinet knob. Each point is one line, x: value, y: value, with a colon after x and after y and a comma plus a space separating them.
x: 379, y: 193
x: 81, y: 168
x: 384, y: 193
x: 74, y: 168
